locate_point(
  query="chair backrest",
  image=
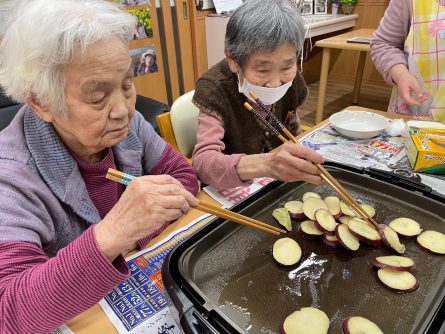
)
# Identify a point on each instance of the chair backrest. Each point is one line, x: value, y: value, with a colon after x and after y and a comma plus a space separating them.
x: 8, y: 109
x: 150, y: 109
x: 184, y: 120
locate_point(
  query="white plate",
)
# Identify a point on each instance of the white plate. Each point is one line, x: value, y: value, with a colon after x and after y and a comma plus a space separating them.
x: 358, y: 124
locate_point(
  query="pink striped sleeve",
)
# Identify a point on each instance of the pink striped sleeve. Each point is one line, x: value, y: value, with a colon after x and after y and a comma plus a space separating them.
x: 212, y: 166
x: 174, y: 164
x: 388, y: 41
x: 38, y: 294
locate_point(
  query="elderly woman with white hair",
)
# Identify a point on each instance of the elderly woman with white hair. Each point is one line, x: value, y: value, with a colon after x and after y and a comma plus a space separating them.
x: 63, y: 225
x: 262, y: 44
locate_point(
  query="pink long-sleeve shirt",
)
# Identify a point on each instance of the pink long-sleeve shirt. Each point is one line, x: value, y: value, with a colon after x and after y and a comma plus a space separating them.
x: 212, y: 166
x: 38, y: 293
x: 388, y: 40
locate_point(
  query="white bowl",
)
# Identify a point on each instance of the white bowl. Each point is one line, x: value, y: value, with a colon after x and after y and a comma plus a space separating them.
x: 358, y: 124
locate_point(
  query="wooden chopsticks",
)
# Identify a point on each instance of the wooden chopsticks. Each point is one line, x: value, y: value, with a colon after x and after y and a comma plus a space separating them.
x: 325, y: 175
x: 125, y: 179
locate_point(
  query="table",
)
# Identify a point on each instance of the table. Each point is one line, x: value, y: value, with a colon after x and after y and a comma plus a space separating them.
x: 340, y: 42
x: 95, y: 321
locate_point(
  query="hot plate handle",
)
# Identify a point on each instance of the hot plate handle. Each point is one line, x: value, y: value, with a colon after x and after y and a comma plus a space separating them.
x: 399, y: 180
x: 193, y: 322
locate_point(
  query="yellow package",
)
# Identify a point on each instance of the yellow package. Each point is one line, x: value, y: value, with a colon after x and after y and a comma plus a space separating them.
x: 426, y: 150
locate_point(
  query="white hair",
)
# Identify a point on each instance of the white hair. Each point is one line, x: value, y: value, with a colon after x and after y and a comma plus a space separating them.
x: 42, y: 35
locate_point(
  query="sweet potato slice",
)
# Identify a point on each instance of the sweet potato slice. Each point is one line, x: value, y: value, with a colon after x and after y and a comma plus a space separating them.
x: 345, y: 219
x: 310, y: 194
x: 333, y: 204
x: 330, y: 240
x: 346, y: 239
x: 311, y: 205
x: 393, y: 262
x: 347, y: 210
x: 432, y: 241
x: 368, y: 209
x: 295, y: 209
x: 305, y: 321
x: 325, y: 222
x: 390, y: 238
x: 360, y: 325
x: 406, y: 227
x: 308, y: 229
x: 283, y: 218
x: 286, y: 251
x: 400, y: 281
x: 364, y: 232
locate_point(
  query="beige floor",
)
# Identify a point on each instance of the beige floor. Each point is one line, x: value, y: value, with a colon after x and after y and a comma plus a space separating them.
x: 339, y: 96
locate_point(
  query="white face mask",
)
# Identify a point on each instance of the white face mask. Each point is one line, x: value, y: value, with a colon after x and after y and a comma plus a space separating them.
x: 267, y: 95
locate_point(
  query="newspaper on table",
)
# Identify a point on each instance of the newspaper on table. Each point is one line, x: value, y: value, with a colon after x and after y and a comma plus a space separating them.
x: 232, y: 196
x: 64, y: 329
x: 139, y: 304
x: 383, y: 152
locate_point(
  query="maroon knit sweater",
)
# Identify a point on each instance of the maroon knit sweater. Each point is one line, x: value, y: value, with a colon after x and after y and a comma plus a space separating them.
x: 37, y: 293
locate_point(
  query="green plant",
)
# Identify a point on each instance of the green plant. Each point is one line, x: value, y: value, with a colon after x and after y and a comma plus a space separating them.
x: 336, y: 1
x: 348, y: 2
x: 144, y: 18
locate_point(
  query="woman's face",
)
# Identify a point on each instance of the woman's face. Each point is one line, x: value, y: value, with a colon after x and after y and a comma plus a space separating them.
x: 101, y: 99
x: 271, y: 69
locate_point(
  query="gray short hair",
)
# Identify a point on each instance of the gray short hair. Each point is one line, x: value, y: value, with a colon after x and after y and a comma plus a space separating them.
x: 42, y: 35
x: 263, y: 25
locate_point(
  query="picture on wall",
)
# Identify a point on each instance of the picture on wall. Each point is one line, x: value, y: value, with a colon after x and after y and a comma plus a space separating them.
x: 125, y: 3
x: 320, y: 6
x: 306, y: 7
x: 144, y: 60
x: 144, y: 27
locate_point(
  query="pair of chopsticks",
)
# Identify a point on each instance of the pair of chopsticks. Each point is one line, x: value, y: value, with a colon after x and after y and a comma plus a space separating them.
x: 125, y: 179
x: 325, y: 175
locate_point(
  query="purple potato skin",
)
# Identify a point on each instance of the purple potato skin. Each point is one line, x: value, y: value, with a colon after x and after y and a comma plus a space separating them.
x: 330, y: 243
x: 345, y: 326
x: 379, y: 265
x: 341, y: 241
x: 321, y: 229
x: 375, y: 243
x: 297, y: 215
x: 414, y: 288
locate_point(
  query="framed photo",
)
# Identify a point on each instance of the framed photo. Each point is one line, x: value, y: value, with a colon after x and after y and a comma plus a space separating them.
x: 320, y: 6
x: 144, y: 60
x: 306, y: 7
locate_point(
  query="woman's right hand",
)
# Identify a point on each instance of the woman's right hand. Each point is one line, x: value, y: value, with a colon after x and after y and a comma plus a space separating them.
x: 145, y: 206
x: 294, y: 162
x: 408, y: 87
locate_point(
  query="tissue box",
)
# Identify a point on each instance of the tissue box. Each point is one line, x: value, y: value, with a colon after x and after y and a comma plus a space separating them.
x: 426, y: 150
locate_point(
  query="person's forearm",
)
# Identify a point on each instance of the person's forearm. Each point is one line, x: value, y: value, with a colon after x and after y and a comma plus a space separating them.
x: 252, y: 166
x: 217, y: 169
x: 40, y: 294
x: 174, y: 164
x: 397, y: 72
x: 388, y: 40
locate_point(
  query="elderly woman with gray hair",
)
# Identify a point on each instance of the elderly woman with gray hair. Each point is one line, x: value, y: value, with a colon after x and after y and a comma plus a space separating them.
x: 262, y: 44
x: 63, y: 226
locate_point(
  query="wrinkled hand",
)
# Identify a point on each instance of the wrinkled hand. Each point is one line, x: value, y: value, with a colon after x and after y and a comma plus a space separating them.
x: 408, y: 87
x: 294, y: 162
x: 145, y: 206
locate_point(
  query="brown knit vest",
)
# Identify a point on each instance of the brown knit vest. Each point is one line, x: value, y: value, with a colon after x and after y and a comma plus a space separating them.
x: 216, y: 93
